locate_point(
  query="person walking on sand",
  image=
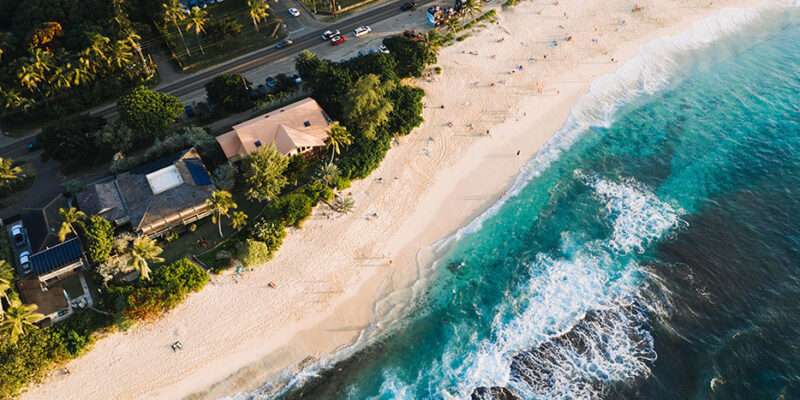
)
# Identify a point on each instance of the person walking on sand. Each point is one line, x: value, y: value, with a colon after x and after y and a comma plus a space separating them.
x: 517, y: 152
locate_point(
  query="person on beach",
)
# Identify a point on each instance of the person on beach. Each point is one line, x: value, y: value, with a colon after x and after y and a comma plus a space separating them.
x: 517, y: 152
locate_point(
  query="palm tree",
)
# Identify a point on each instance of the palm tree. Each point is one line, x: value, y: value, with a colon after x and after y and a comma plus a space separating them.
x: 59, y: 79
x: 41, y: 60
x: 131, y: 37
x: 173, y: 11
x: 19, y: 320
x: 120, y: 54
x: 337, y: 137
x: 80, y: 73
x: 13, y: 99
x: 143, y: 251
x: 71, y: 217
x: 98, y: 46
x: 239, y: 220
x: 197, y: 19
x: 472, y: 8
x: 30, y: 77
x: 221, y: 202
x: 258, y: 11
x: 8, y: 172
x: 432, y: 43
x: 452, y: 25
x: 344, y: 204
x: 328, y: 173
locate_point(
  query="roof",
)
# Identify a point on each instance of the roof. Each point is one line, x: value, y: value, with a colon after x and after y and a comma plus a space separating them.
x: 58, y: 256
x: 103, y: 199
x: 153, y: 191
x: 43, y: 223
x: 300, y: 124
x: 51, y: 301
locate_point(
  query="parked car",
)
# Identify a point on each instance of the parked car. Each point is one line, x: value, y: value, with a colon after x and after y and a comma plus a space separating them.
x: 337, y: 40
x: 295, y: 12
x: 33, y: 146
x: 361, y: 30
x: 25, y: 261
x: 271, y: 82
x: 411, y: 5
x: 189, y: 111
x: 383, y: 49
x: 284, y: 43
x: 296, y: 78
x: 185, y: 9
x: 18, y: 235
x: 373, y: 50
x: 202, y: 3
x: 261, y: 89
x: 193, y: 4
x: 362, y: 52
x: 329, y: 34
x: 410, y: 33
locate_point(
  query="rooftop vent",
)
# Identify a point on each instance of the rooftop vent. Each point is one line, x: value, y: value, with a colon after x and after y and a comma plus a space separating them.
x: 307, y: 124
x: 164, y: 179
x: 258, y: 143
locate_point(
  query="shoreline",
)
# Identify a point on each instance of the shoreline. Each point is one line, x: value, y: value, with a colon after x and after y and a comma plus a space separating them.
x: 432, y: 198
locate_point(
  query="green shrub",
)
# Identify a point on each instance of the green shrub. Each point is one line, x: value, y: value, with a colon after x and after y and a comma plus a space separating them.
x: 293, y: 208
x: 230, y: 91
x: 253, y: 252
x: 99, y: 235
x: 147, y: 111
x: 269, y: 231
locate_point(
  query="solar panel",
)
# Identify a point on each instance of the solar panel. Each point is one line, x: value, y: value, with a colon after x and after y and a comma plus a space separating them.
x: 56, y: 257
x: 198, y: 171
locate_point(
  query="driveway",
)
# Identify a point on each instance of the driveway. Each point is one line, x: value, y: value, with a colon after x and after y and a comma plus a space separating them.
x: 293, y: 24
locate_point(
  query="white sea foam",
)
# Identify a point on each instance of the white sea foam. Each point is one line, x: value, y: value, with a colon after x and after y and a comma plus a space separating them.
x: 649, y: 71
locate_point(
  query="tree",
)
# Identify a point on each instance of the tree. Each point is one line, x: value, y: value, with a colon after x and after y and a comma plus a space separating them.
x: 238, y: 220
x: 231, y: 91
x: 119, y: 54
x: 253, y: 252
x: 78, y: 72
x: 72, y: 141
x: 344, y: 205
x: 71, y: 218
x: 263, y: 173
x: 117, y: 136
x: 328, y: 173
x: 258, y: 11
x: 9, y: 173
x: 197, y: 20
x: 306, y: 63
x: 131, y: 37
x: 98, y: 46
x: 99, y: 236
x: 220, y: 202
x: 409, y: 53
x: 142, y: 252
x: 147, y: 111
x: 173, y: 11
x: 337, y: 137
x: 432, y: 42
x: 453, y: 25
x: 366, y: 105
x: 19, y: 320
x: 472, y: 8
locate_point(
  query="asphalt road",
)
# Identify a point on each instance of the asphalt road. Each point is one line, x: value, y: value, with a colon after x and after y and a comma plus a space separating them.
x: 307, y: 39
x: 270, y: 54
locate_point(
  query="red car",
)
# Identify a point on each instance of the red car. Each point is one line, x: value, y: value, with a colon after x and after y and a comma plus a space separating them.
x: 338, y: 39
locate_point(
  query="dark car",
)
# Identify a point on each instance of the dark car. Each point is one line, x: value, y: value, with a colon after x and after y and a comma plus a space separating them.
x: 189, y: 111
x: 272, y: 82
x: 203, y: 108
x: 284, y: 43
x: 34, y: 145
x: 411, y: 5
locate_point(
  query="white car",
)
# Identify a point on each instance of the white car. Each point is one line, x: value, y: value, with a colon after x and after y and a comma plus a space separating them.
x: 327, y: 35
x: 383, y: 49
x: 25, y: 261
x: 361, y: 30
x: 295, y: 12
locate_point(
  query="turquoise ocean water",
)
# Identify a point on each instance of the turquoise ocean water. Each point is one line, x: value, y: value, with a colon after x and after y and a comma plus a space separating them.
x: 650, y: 251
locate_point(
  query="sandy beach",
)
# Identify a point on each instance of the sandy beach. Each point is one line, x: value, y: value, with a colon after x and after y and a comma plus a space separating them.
x: 505, y: 79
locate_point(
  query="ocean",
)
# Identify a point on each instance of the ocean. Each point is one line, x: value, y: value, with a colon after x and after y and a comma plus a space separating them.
x: 651, y: 250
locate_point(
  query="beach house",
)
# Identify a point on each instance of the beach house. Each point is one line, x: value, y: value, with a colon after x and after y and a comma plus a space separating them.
x: 56, y: 283
x: 300, y: 127
x: 156, y: 198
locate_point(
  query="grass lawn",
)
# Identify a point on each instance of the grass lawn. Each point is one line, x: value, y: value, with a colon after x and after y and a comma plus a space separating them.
x: 217, y: 50
x: 187, y: 242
